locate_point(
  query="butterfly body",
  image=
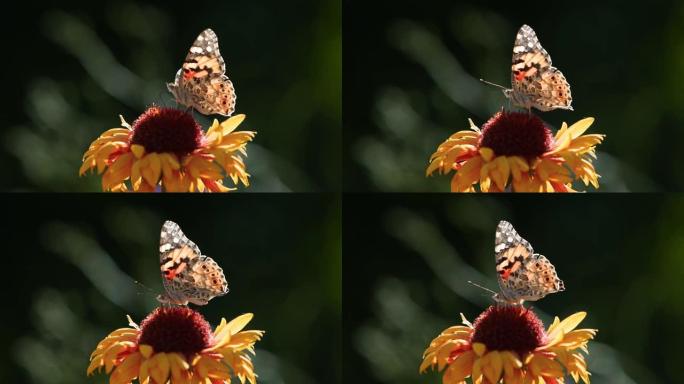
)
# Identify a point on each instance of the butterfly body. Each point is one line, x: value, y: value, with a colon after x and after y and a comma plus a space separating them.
x: 187, y: 275
x: 201, y: 82
x: 535, y: 83
x: 522, y: 274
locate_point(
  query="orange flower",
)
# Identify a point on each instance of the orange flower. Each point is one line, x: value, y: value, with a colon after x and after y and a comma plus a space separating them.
x: 509, y: 343
x: 516, y: 152
x: 176, y: 345
x: 166, y: 150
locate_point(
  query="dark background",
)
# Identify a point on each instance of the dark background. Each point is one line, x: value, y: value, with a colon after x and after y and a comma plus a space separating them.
x: 70, y: 265
x: 411, y: 79
x: 71, y: 68
x: 407, y: 260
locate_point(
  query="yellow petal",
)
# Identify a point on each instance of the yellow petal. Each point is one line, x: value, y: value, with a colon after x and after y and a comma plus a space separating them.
x: 239, y: 322
x: 179, y: 368
x: 159, y: 367
x: 577, y: 338
x: 152, y: 171
x: 144, y: 376
x: 229, y: 125
x: 170, y: 160
x: 146, y: 350
x: 207, y: 367
x: 459, y: 369
x: 479, y: 349
x: 556, y: 322
x: 501, y: 172
x: 138, y: 150
x: 467, y: 174
x: 444, y: 352
x: 486, y: 153
x: 492, y: 366
x: 427, y: 363
x: 543, y: 366
x: 119, y: 171
x: 128, y: 370
x: 567, y: 325
x: 511, y: 362
x: 518, y: 167
x: 577, y: 129
x: 103, y: 156
x: 476, y: 375
x: 111, y: 354
x: 94, y: 364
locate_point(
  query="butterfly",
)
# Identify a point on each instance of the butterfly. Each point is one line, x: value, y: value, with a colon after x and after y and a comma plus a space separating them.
x: 187, y: 275
x: 201, y: 82
x: 535, y: 83
x: 523, y: 275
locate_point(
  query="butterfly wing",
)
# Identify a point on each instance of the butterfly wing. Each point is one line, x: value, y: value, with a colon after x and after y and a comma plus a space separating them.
x: 187, y: 275
x: 207, y: 279
x: 522, y: 274
x: 535, y: 82
x: 511, y: 252
x: 554, y: 91
x: 201, y: 83
x: 540, y: 277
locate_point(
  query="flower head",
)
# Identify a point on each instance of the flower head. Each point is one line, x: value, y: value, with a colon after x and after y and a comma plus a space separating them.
x: 510, y: 343
x: 166, y: 149
x: 516, y: 151
x: 176, y: 345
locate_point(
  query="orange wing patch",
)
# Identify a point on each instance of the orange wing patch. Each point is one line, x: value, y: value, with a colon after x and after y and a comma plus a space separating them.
x: 511, y: 260
x: 176, y: 261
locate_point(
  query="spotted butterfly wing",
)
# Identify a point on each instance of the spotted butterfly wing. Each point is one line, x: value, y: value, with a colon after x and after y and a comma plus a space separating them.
x: 187, y: 275
x: 201, y: 83
x: 522, y: 274
x: 535, y: 82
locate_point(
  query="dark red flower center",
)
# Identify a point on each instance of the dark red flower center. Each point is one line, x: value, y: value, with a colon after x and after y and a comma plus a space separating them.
x: 509, y: 328
x: 167, y: 130
x: 516, y: 134
x: 176, y: 329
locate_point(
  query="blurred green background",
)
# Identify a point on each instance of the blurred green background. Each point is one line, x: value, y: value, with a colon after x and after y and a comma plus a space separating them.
x: 411, y: 79
x: 407, y: 260
x: 71, y: 263
x: 74, y: 66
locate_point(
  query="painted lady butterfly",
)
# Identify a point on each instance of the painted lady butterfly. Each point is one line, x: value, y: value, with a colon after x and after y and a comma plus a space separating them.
x: 188, y: 276
x: 201, y: 83
x: 534, y: 82
x: 522, y: 274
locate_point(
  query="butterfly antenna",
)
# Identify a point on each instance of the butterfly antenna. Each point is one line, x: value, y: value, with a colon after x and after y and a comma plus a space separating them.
x: 481, y: 287
x: 496, y: 85
x: 145, y: 287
